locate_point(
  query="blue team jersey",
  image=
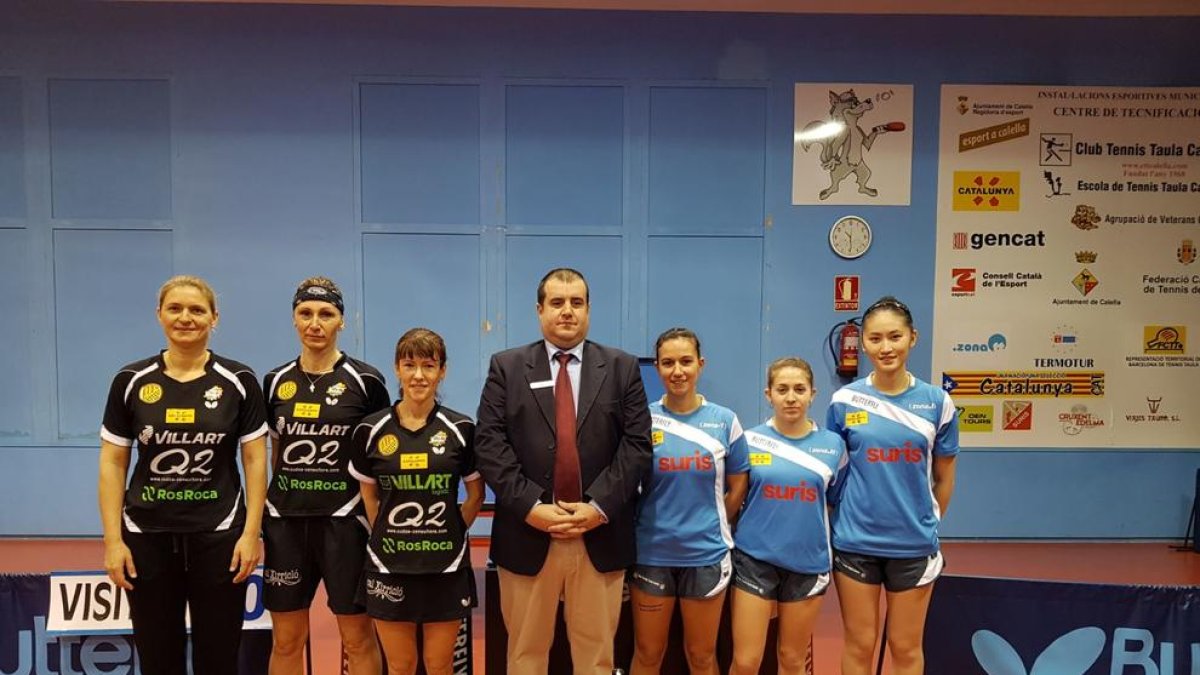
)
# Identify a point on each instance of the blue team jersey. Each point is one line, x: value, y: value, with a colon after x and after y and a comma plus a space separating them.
x: 885, y: 503
x: 784, y: 520
x: 681, y: 518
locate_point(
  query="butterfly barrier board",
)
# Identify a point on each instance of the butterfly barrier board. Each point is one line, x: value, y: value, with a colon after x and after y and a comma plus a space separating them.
x: 1019, y: 627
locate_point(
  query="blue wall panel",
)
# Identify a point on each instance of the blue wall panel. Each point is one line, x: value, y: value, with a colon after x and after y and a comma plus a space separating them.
x: 12, y: 149
x: 105, y: 291
x: 110, y: 148
x: 16, y: 414
x: 707, y: 159
x: 564, y: 152
x: 529, y: 258
x: 282, y: 130
x: 713, y: 285
x: 420, y: 153
x: 428, y: 280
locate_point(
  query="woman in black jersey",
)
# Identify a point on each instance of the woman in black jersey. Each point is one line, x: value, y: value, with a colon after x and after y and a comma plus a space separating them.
x: 184, y: 533
x: 410, y: 460
x: 315, y: 527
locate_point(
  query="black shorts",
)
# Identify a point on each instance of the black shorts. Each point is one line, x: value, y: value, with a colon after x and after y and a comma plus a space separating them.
x: 896, y: 574
x: 772, y: 582
x: 683, y: 582
x: 419, y: 598
x: 301, y: 551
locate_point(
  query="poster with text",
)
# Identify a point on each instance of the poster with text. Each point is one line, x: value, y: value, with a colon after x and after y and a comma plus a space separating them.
x: 852, y: 144
x: 1067, y: 292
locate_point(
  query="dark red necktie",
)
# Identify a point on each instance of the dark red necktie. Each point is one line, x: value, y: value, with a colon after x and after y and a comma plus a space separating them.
x: 566, y: 456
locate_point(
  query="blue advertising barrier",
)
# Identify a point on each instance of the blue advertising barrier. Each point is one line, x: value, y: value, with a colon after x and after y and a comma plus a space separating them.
x: 1011, y: 627
x: 27, y: 648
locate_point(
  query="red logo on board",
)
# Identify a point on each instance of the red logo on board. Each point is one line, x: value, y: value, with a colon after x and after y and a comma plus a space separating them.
x: 845, y: 293
x: 964, y: 281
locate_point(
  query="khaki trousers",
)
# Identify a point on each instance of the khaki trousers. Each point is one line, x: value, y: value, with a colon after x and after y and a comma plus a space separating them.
x: 591, y: 609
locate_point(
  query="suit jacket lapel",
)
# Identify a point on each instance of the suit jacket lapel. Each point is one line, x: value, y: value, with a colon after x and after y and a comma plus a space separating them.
x: 537, y: 369
x: 591, y: 376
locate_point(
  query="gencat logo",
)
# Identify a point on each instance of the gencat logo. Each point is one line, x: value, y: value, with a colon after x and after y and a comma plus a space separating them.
x: 987, y: 191
x: 964, y: 281
x: 1071, y: 654
x: 978, y: 240
x: 1164, y: 339
x: 1075, y: 652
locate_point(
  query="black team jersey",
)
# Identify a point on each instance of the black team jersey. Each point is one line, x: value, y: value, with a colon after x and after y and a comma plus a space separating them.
x: 188, y: 434
x: 419, y: 528
x: 312, y: 418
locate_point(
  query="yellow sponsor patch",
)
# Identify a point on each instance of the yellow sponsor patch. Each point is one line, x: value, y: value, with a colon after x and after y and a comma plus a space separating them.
x: 287, y: 390
x: 856, y: 418
x: 150, y: 393
x: 975, y: 418
x: 307, y: 410
x: 656, y: 437
x: 181, y: 415
x: 760, y: 459
x: 987, y: 191
x: 1164, y: 339
x: 414, y: 460
x: 388, y: 444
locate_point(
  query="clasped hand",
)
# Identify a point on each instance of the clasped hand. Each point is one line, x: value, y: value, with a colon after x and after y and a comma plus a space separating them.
x: 564, y: 520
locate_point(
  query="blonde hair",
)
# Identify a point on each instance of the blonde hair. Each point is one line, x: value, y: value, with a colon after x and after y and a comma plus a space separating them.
x: 188, y: 280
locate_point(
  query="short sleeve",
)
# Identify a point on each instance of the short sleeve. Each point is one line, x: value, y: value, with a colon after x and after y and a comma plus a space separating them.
x: 117, y: 425
x: 378, y: 397
x: 834, y: 420
x: 945, y: 443
x: 739, y: 450
x: 359, y: 465
x: 252, y: 416
x: 466, y: 461
x: 841, y: 469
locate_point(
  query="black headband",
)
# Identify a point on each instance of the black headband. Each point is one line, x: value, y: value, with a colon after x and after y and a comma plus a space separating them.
x: 319, y: 293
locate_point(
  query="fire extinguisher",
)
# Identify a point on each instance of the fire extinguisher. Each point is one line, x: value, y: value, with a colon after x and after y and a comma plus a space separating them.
x: 845, y: 349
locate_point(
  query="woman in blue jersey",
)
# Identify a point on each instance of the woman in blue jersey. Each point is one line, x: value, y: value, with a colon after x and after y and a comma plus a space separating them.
x: 183, y: 537
x: 410, y: 459
x: 782, y: 543
x: 902, y: 438
x: 314, y: 527
x: 689, y: 498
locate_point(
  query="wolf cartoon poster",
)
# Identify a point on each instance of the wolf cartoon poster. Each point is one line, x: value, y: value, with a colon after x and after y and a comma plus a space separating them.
x: 852, y: 144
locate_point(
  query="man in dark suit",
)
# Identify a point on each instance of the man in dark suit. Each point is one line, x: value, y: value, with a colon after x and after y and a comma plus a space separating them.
x: 564, y: 501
